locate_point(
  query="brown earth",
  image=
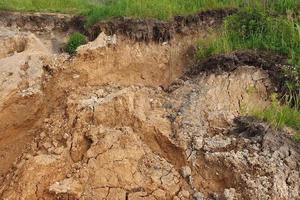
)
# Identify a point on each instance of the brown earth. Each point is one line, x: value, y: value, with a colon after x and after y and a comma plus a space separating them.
x: 115, y: 121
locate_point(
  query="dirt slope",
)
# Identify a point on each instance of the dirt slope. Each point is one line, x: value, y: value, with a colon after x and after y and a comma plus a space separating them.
x: 116, y: 121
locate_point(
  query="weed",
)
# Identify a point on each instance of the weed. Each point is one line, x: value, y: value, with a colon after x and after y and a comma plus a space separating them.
x: 76, y: 39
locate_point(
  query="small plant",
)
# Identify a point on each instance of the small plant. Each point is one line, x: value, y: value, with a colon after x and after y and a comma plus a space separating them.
x: 76, y: 39
x: 280, y: 115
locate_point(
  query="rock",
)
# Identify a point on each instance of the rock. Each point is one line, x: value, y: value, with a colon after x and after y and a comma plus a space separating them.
x: 58, y: 150
x: 198, y: 196
x: 186, y: 172
x: 101, y: 41
x: 229, y: 194
x: 67, y: 186
x: 216, y: 142
x: 47, y: 145
x: 184, y: 194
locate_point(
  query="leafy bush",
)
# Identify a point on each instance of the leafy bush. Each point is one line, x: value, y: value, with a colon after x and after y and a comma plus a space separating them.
x: 76, y: 39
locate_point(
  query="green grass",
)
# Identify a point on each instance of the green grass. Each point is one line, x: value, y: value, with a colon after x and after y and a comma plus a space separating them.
x: 276, y: 28
x: 75, y: 40
x: 280, y: 115
x: 165, y: 9
x: 256, y: 28
x: 160, y: 9
x: 62, y: 6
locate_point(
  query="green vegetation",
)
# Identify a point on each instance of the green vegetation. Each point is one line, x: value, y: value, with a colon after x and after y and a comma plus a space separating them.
x: 280, y: 115
x: 76, y: 39
x: 62, y: 6
x: 161, y: 9
x: 255, y: 29
x: 271, y: 27
x: 259, y: 29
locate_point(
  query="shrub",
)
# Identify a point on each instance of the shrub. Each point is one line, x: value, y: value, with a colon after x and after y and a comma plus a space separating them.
x: 75, y: 40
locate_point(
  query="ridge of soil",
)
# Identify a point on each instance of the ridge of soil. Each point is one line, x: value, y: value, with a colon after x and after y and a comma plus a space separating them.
x: 274, y: 64
x: 156, y: 30
x: 34, y: 21
x: 136, y: 29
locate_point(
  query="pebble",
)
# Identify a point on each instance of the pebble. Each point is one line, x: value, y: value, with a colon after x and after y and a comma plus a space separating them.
x: 198, y: 196
x: 186, y: 171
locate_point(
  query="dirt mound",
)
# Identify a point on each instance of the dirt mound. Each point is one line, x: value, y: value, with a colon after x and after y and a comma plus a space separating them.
x: 115, y: 122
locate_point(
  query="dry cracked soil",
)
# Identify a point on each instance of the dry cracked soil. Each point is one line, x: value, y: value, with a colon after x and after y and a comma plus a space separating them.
x: 121, y: 119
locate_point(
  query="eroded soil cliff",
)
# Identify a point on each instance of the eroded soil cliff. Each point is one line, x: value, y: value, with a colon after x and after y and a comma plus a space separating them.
x: 132, y: 120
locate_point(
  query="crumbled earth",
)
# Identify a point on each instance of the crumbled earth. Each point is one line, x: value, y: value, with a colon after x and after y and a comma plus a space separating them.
x: 116, y: 121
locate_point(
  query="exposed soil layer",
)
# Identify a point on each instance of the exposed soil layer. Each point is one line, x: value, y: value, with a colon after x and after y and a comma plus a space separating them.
x: 40, y: 21
x: 159, y: 31
x: 273, y: 63
x: 115, y: 121
x: 137, y: 29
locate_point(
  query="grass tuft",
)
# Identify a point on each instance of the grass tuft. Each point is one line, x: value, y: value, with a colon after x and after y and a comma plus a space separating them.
x: 280, y: 115
x: 75, y: 40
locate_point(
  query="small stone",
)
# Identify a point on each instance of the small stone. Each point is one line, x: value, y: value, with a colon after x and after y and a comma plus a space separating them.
x: 27, y: 156
x: 66, y: 136
x: 43, y: 135
x: 229, y: 194
x: 289, y: 161
x: 55, y: 144
x: 58, y: 150
x: 186, y: 172
x: 198, y: 143
x: 198, y: 196
x: 47, y: 145
x: 159, y: 194
x: 184, y: 193
x: 50, y: 150
x: 76, y: 76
